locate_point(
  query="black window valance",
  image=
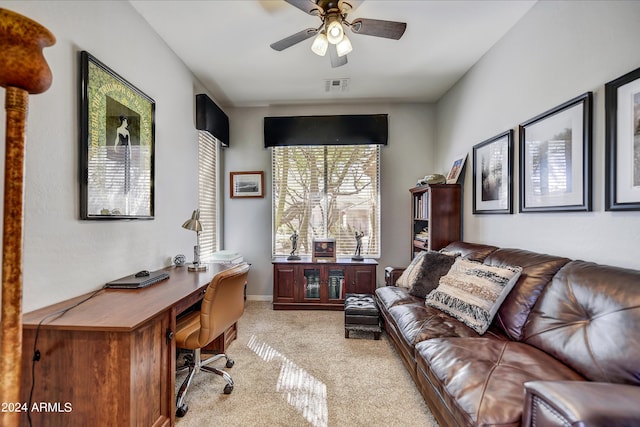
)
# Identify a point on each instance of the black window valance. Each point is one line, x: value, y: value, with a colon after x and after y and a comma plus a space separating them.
x: 326, y: 130
x: 211, y: 118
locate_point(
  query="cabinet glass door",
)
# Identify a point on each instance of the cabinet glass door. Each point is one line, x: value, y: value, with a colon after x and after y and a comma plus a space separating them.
x: 311, y: 288
x: 335, y: 283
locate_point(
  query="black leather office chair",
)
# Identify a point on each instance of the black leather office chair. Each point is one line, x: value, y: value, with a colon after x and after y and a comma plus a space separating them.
x: 222, y: 306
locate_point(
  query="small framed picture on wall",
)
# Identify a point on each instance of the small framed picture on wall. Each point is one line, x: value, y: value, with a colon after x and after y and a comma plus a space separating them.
x: 247, y: 184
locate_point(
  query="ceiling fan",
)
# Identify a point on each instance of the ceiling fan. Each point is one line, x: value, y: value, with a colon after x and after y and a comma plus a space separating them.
x: 330, y: 35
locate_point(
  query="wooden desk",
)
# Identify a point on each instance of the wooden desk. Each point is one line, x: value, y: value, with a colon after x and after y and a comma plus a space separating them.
x: 111, y: 360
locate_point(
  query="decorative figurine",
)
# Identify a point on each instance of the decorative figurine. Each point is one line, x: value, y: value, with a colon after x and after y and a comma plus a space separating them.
x: 357, y: 256
x: 294, y: 247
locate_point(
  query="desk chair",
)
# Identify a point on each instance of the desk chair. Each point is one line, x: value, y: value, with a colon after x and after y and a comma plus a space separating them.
x: 222, y: 306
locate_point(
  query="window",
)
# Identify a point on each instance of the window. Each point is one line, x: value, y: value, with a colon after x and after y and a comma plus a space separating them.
x: 326, y: 191
x: 208, y: 194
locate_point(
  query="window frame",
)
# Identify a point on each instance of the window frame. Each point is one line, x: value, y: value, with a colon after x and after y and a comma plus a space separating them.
x: 343, y: 218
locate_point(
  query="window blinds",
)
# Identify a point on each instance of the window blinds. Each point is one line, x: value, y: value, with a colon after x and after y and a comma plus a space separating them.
x: 208, y: 194
x: 326, y: 191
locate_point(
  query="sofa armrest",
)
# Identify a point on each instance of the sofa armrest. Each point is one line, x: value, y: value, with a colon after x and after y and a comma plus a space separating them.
x: 580, y: 403
x: 391, y: 274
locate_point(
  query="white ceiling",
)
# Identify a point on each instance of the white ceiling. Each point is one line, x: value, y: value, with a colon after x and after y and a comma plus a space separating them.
x: 225, y: 43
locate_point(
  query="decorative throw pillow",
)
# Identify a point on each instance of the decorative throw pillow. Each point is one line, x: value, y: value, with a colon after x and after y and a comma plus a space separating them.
x: 434, y: 266
x: 408, y: 276
x: 473, y: 292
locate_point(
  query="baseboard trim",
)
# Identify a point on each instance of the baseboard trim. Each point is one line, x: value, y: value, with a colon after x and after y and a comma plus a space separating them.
x: 268, y: 298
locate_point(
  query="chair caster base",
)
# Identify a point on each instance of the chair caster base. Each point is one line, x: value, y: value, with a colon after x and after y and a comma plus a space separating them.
x: 230, y: 363
x: 228, y: 389
x: 181, y: 411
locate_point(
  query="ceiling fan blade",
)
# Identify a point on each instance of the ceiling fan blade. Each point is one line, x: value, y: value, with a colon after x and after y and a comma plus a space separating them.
x: 379, y: 28
x: 336, y: 61
x: 307, y: 6
x: 294, y: 39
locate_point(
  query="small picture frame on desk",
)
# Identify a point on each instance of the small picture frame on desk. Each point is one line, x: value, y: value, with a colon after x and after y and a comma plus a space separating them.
x: 324, y: 250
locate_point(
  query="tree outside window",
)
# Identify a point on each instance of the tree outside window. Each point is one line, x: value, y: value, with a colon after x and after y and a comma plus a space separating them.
x: 326, y: 191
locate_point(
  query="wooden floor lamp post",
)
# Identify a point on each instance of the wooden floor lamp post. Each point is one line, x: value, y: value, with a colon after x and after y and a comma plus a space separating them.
x: 23, y: 70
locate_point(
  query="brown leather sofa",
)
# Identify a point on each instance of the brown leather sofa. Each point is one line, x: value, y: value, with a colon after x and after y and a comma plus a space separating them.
x: 563, y: 350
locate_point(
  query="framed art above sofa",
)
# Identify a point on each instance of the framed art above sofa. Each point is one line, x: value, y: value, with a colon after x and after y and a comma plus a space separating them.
x: 493, y: 175
x: 622, y: 143
x: 555, y: 158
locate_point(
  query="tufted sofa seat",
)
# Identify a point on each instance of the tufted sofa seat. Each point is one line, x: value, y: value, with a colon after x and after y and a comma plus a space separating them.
x: 566, y: 325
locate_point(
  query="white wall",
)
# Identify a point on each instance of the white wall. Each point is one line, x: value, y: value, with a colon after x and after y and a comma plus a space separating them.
x: 559, y: 50
x: 64, y: 256
x: 407, y: 157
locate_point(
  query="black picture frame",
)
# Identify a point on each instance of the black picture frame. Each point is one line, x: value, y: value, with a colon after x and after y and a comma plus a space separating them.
x: 117, y: 145
x: 555, y: 158
x: 622, y: 143
x: 493, y: 175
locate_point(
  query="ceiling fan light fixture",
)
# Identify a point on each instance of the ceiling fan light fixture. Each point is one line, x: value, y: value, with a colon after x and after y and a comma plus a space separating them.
x: 335, y: 32
x: 320, y: 44
x: 344, y: 47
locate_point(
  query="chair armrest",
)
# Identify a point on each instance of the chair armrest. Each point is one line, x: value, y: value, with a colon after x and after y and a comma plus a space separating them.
x: 580, y: 403
x: 391, y: 274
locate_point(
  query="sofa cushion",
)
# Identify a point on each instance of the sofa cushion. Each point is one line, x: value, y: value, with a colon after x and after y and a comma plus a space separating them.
x: 418, y: 322
x: 410, y: 274
x: 472, y: 292
x: 413, y: 321
x: 537, y: 272
x: 589, y: 317
x: 481, y: 379
x: 388, y: 296
x: 473, y: 251
x: 434, y: 265
x: 399, y: 339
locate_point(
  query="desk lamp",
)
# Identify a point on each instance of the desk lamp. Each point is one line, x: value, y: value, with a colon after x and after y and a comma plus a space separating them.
x: 194, y: 224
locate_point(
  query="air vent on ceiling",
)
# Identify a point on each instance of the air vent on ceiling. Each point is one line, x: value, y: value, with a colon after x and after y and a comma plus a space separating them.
x: 336, y: 85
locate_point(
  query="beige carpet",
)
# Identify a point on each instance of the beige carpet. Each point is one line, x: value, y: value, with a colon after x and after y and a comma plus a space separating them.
x: 295, y: 368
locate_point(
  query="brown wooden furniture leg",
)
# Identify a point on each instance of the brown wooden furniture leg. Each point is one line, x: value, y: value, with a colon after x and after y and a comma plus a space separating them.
x: 23, y: 70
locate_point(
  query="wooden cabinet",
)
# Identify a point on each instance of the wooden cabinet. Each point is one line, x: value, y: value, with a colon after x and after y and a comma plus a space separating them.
x: 321, y: 285
x: 103, y: 377
x: 435, y: 216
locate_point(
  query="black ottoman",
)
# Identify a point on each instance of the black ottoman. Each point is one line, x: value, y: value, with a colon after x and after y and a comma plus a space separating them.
x: 361, y: 314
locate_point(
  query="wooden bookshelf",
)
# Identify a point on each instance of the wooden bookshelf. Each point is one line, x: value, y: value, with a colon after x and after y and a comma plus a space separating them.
x: 435, y: 216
